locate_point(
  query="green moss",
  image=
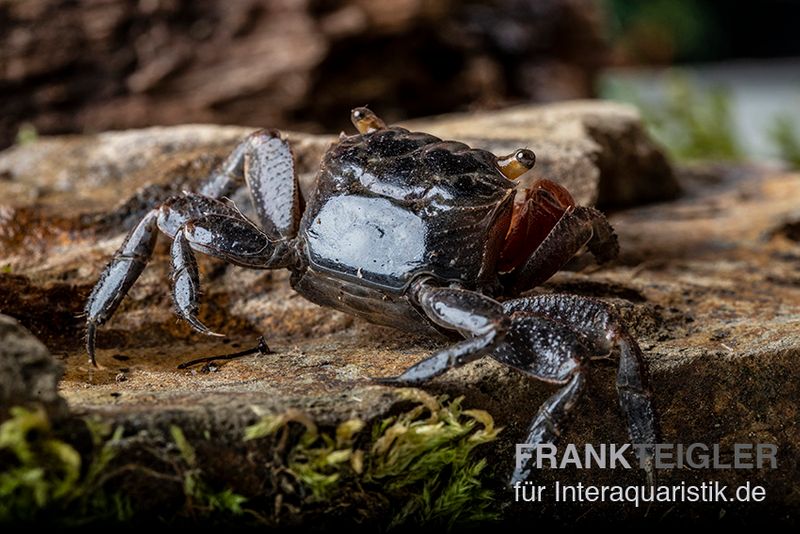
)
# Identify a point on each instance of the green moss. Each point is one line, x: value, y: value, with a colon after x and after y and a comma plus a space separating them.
x: 418, y: 467
x: 26, y: 134
x: 693, y: 123
x: 43, y: 475
x: 201, y: 498
x: 786, y: 138
x: 318, y: 461
x: 420, y: 464
x: 429, y: 461
x: 690, y: 122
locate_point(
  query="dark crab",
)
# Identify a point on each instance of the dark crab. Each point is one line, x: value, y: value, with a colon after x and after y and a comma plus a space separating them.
x: 413, y: 232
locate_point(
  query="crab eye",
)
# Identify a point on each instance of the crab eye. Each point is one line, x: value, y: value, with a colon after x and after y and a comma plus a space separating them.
x: 525, y: 157
x: 366, y: 121
x: 517, y: 163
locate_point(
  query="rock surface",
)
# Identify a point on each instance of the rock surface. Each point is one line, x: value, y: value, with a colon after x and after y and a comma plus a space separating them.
x: 574, y: 141
x: 29, y: 375
x: 68, y: 201
x: 708, y: 283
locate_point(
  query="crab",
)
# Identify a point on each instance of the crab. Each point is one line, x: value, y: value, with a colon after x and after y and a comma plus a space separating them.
x: 406, y: 230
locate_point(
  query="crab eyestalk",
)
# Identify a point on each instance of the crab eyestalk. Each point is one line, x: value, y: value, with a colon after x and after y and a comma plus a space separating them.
x: 517, y: 163
x: 366, y: 121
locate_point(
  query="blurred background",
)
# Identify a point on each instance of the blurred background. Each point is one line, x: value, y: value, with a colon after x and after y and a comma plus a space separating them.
x: 714, y: 79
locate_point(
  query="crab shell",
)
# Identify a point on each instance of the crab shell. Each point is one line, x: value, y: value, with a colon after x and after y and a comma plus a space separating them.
x: 393, y: 205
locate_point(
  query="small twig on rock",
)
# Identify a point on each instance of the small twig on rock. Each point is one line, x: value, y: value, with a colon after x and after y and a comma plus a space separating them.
x: 262, y: 348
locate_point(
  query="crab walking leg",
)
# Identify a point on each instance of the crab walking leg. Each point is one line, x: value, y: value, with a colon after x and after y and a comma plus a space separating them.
x: 552, y: 352
x: 118, y: 277
x: 478, y: 318
x: 604, y: 331
x: 270, y: 176
x: 453, y: 356
x: 186, y: 283
x: 237, y: 241
x: 228, y: 176
x: 264, y: 162
x: 130, y: 260
x: 635, y: 400
x: 546, y: 427
x: 578, y: 226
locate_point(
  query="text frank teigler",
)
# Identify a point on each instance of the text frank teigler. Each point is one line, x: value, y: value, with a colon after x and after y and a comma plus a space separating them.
x: 662, y: 455
x: 695, y: 456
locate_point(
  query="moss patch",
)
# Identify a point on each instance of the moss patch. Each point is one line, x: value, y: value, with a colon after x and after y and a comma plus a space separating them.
x: 785, y: 135
x: 201, y: 498
x: 417, y: 467
x: 44, y: 476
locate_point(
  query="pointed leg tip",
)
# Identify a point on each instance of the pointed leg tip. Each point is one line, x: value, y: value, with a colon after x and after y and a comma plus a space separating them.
x: 519, y: 477
x: 90, y: 339
x: 383, y: 381
x: 195, y: 323
x: 650, y: 474
x: 391, y: 381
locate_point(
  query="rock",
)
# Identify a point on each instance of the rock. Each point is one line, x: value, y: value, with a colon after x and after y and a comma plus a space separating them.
x: 790, y: 229
x: 599, y: 150
x: 68, y: 201
x: 594, y: 148
x: 29, y: 375
x: 119, y: 64
x: 707, y: 283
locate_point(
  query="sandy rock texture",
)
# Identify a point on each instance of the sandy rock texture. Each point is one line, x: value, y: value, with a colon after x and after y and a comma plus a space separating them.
x: 707, y: 282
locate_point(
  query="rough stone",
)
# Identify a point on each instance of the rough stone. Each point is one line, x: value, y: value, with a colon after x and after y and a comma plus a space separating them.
x: 67, y: 202
x: 707, y: 282
x: 29, y: 375
x: 573, y: 142
x: 120, y: 64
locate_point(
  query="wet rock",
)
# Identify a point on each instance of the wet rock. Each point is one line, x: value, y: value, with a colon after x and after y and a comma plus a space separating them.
x: 29, y: 375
